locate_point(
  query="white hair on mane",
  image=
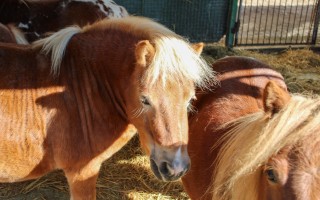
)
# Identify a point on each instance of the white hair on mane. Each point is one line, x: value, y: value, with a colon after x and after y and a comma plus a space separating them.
x: 56, y: 44
x: 174, y: 57
x: 175, y: 60
x: 254, y: 139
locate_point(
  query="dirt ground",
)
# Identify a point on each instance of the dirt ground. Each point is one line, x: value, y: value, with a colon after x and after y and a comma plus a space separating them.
x: 127, y: 175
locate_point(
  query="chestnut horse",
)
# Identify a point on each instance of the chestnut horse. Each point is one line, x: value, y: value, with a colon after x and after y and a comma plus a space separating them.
x: 37, y: 17
x: 242, y: 81
x: 106, y: 81
x: 11, y: 34
x: 271, y: 154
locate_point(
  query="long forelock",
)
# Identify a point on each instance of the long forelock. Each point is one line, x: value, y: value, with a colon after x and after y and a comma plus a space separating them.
x: 175, y: 60
x: 255, y: 138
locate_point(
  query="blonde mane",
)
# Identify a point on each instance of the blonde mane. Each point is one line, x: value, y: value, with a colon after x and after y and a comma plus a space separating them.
x: 254, y: 139
x: 174, y: 58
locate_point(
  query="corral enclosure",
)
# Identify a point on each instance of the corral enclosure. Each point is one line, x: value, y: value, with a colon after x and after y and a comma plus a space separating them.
x: 245, y: 22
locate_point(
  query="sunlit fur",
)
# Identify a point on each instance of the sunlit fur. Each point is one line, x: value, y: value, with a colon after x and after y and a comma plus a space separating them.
x: 174, y: 59
x: 98, y: 100
x: 242, y: 81
x: 256, y: 138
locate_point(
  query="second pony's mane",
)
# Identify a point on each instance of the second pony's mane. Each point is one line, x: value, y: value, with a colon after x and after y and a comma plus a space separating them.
x: 174, y: 58
x: 254, y: 139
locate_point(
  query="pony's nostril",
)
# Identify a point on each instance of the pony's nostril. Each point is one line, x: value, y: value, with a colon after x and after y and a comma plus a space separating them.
x: 164, y: 168
x: 172, y: 172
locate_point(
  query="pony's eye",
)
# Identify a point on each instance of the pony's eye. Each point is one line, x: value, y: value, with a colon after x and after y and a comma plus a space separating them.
x: 192, y: 100
x: 190, y: 107
x: 271, y: 175
x: 145, y: 101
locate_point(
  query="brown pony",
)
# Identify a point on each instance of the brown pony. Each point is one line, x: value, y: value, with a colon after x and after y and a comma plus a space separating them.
x: 272, y: 153
x: 38, y: 17
x: 106, y: 81
x: 242, y: 81
x: 11, y: 34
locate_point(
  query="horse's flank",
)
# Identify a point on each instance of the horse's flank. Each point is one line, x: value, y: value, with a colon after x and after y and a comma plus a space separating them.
x: 237, y: 175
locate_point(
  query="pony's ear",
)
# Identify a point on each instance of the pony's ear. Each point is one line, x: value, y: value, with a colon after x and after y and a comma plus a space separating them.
x: 274, y: 98
x: 144, y: 53
x: 198, y: 47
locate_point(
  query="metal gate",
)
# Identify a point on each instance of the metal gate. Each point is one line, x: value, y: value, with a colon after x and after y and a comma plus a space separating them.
x: 273, y: 22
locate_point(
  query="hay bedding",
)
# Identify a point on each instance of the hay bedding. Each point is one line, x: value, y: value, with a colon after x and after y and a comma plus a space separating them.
x: 127, y: 176
x: 300, y: 68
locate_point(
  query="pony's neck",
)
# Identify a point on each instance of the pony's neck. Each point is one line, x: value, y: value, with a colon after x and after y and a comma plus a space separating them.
x: 109, y: 63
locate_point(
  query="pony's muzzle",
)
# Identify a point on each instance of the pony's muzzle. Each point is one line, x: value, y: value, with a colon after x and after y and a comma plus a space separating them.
x: 167, y: 169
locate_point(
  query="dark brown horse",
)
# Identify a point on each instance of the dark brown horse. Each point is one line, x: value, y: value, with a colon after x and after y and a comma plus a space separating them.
x: 38, y: 17
x: 252, y: 140
x: 11, y: 34
x: 80, y: 101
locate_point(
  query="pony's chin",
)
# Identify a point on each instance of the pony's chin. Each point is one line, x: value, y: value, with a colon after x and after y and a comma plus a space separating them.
x: 155, y: 170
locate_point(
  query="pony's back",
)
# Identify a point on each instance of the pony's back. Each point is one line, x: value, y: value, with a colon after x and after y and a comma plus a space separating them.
x: 242, y: 81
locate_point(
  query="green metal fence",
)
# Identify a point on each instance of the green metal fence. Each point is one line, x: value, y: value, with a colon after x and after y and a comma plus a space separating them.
x: 198, y: 20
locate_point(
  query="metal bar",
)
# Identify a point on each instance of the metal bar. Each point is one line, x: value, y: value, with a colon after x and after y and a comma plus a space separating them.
x: 289, y: 21
x: 238, y: 24
x: 305, y: 21
x: 277, y: 23
x: 310, y: 26
x: 274, y: 7
x: 260, y: 20
x: 265, y: 25
x: 249, y: 23
x: 294, y: 22
x: 242, y: 23
x: 254, y: 22
x: 233, y: 7
x: 316, y: 24
x: 302, y: 7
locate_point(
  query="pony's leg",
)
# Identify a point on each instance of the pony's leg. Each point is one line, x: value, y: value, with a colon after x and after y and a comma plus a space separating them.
x: 82, y: 187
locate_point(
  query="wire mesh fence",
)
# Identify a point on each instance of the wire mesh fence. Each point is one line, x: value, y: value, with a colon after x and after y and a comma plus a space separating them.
x: 198, y: 20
